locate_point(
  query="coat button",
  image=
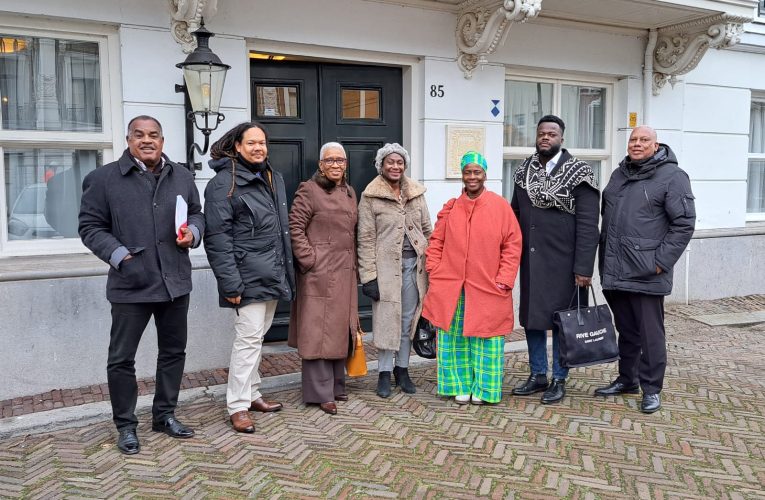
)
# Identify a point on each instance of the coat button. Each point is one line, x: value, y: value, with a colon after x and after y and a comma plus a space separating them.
x: 411, y: 227
x: 532, y: 249
x: 533, y: 226
x: 637, y: 247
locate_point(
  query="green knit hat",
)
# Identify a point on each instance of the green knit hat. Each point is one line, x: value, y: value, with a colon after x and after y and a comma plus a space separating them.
x: 473, y: 157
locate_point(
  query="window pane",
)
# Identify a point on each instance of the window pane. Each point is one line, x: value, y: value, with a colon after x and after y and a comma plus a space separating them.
x: 360, y: 104
x: 583, y: 111
x: 276, y: 102
x: 43, y: 188
x: 595, y: 164
x: 49, y: 84
x: 525, y: 104
x: 508, y: 174
x: 755, y: 182
x: 757, y: 128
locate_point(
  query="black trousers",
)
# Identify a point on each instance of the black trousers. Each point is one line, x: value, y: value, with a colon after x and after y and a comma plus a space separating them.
x: 128, y: 324
x: 639, y: 318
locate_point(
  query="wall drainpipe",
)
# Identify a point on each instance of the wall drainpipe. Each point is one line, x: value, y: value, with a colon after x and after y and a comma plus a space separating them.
x: 648, y: 76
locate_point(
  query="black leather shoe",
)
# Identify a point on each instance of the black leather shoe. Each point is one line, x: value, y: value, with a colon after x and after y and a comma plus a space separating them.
x: 555, y: 392
x: 383, y: 385
x: 615, y: 388
x: 402, y: 380
x: 173, y: 428
x: 535, y: 383
x: 128, y: 443
x: 651, y: 403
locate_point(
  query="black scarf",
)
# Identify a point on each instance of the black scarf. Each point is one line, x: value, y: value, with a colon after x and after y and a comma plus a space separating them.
x: 554, y: 190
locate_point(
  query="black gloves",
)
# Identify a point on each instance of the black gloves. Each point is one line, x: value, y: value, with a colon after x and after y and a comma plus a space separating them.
x: 371, y: 290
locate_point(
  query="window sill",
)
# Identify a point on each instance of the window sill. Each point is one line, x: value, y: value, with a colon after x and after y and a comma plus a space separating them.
x: 750, y: 229
x: 64, y: 266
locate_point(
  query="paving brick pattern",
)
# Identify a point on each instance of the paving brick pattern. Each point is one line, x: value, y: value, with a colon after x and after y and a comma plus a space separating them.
x: 278, y: 363
x: 707, y: 442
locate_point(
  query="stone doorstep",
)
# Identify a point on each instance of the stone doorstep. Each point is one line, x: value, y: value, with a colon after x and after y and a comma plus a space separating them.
x: 86, y: 414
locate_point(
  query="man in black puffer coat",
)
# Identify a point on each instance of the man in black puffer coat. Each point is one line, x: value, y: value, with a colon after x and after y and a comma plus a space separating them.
x: 648, y: 220
x: 250, y: 253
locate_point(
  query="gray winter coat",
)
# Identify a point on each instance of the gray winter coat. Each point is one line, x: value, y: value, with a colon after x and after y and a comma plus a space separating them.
x: 121, y: 207
x: 248, y: 242
x: 648, y: 219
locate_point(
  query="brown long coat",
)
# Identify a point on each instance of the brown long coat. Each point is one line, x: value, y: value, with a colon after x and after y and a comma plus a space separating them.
x: 383, y: 222
x: 322, y: 227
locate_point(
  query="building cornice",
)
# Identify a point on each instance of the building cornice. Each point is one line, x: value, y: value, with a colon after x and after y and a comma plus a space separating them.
x: 482, y: 26
x: 680, y: 47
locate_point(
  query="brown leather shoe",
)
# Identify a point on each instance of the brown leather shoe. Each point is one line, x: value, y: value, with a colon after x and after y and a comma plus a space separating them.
x: 341, y: 397
x: 264, y: 406
x: 330, y: 408
x: 242, y: 422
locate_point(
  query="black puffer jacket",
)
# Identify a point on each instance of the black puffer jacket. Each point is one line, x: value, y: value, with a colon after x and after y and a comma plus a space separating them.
x: 248, y: 239
x: 648, y: 219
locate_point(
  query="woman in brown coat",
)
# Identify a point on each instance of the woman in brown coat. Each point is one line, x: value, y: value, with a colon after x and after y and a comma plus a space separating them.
x: 394, y: 227
x: 325, y: 313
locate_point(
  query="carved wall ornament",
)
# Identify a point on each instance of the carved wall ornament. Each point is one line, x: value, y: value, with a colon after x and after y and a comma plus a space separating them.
x: 679, y: 48
x: 186, y: 18
x: 482, y: 26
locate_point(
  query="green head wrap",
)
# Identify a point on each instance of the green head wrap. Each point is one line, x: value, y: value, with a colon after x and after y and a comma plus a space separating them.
x: 473, y: 157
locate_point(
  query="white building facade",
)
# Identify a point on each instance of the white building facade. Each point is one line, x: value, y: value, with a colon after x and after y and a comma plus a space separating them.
x: 438, y: 76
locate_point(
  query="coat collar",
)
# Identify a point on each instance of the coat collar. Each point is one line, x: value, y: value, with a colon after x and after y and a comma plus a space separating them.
x: 379, y: 188
x: 127, y: 163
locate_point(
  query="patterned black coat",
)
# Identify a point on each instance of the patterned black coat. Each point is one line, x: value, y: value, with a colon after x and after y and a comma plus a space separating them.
x: 556, y: 245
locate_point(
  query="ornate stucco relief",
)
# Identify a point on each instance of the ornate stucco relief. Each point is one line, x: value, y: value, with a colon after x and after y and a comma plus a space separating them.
x: 680, y: 47
x: 186, y: 18
x: 482, y: 26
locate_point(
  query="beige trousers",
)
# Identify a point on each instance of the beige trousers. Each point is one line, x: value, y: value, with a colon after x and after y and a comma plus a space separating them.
x: 250, y: 327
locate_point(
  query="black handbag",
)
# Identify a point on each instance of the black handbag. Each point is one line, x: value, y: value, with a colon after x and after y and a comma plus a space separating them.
x: 586, y: 334
x: 425, y: 337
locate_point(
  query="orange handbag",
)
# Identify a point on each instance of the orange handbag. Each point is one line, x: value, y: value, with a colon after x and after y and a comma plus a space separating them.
x: 356, y: 363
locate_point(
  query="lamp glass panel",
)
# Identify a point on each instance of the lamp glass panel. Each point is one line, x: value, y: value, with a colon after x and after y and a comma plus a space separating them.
x: 205, y: 86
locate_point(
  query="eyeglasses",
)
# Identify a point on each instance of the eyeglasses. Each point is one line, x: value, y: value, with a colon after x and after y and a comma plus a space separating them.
x: 340, y: 161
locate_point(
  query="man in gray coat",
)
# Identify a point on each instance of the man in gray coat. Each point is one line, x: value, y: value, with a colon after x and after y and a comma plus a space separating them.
x: 127, y: 218
x: 648, y: 220
x: 555, y: 199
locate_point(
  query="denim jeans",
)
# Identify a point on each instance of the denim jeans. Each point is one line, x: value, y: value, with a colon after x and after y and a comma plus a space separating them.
x: 537, y: 343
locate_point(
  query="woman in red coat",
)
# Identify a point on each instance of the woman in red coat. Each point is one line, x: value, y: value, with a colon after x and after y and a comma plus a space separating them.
x: 472, y: 261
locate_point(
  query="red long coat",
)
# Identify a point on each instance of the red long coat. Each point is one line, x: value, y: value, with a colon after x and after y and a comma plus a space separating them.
x: 475, y: 245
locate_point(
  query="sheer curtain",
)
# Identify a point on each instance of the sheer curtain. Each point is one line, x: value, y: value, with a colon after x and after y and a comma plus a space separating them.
x: 525, y: 104
x: 755, y: 199
x: 583, y: 111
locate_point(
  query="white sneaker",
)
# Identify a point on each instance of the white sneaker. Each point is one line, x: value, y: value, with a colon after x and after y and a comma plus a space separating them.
x: 476, y: 400
x: 462, y: 399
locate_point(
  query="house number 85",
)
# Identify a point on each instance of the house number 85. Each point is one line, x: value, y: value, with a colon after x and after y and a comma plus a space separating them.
x: 436, y: 91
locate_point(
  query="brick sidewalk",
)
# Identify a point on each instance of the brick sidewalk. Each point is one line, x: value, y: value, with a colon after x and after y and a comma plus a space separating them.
x: 278, y: 363
x: 707, y: 442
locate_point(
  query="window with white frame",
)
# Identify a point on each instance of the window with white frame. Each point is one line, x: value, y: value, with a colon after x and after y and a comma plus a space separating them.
x: 755, y: 180
x: 52, y: 133
x: 584, y: 108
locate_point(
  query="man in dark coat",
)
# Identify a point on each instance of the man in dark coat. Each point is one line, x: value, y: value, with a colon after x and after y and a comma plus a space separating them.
x: 127, y: 218
x: 648, y: 220
x: 556, y: 201
x: 248, y: 246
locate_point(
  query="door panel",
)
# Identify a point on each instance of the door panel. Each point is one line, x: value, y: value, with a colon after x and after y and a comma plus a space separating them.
x: 304, y: 105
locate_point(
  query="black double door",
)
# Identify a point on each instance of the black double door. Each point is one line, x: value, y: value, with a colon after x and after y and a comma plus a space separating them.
x: 304, y: 105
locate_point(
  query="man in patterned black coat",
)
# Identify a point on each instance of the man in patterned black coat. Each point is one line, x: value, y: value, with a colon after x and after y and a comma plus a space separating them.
x: 556, y: 201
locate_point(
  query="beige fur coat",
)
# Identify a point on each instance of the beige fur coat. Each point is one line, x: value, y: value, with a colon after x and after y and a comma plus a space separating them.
x: 383, y: 222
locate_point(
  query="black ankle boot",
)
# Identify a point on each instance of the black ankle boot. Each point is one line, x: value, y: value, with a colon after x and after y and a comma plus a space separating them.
x: 403, y: 380
x: 383, y: 385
